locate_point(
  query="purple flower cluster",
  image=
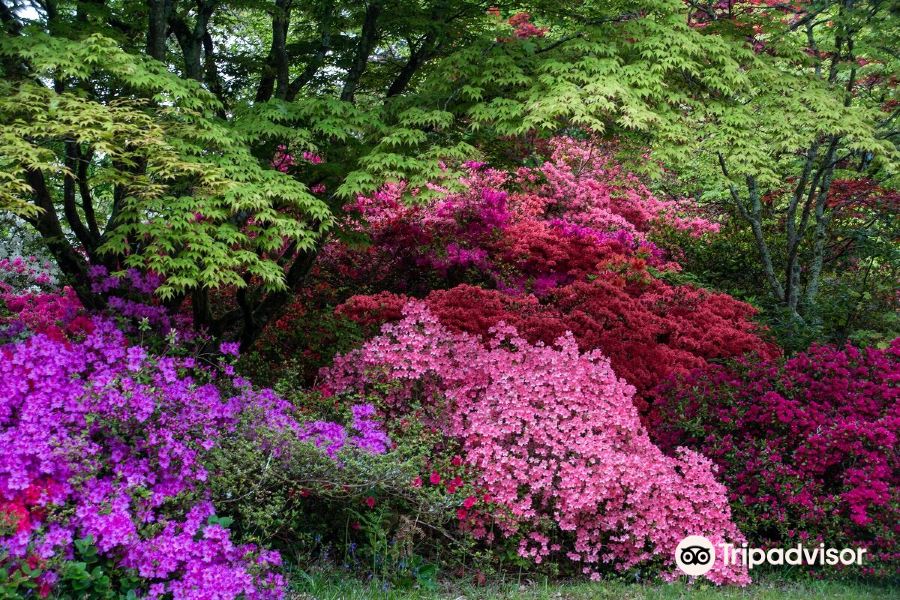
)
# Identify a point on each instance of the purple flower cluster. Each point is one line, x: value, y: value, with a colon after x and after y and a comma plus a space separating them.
x: 333, y: 437
x: 102, y: 439
x: 206, y: 557
x: 370, y: 435
x: 119, y: 289
x: 99, y: 439
x: 102, y: 281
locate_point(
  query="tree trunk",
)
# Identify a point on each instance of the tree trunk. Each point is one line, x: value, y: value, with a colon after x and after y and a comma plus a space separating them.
x: 157, y: 30
x: 367, y: 39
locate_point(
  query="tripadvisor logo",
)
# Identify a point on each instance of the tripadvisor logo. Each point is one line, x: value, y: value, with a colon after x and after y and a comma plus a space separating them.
x: 695, y: 555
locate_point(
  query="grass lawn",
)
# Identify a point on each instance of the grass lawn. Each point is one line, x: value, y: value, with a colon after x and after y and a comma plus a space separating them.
x: 332, y: 587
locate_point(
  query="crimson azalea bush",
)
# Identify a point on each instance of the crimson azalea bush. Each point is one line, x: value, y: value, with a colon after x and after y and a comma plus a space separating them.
x: 555, y: 440
x: 807, y: 447
x: 649, y: 329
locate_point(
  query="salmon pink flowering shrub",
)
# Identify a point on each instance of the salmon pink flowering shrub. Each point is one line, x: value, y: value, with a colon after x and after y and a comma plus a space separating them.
x: 807, y: 447
x: 584, y: 184
x: 105, y: 442
x: 555, y: 440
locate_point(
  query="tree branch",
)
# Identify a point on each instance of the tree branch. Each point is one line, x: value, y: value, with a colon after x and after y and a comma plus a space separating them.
x: 70, y: 262
x: 367, y: 38
x: 753, y: 217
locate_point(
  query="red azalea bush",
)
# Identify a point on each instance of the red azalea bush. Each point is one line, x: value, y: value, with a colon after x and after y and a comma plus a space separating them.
x: 808, y: 447
x: 555, y: 441
x: 649, y: 329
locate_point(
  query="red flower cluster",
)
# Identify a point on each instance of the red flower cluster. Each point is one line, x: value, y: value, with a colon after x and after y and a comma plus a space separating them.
x: 807, y: 447
x: 649, y: 329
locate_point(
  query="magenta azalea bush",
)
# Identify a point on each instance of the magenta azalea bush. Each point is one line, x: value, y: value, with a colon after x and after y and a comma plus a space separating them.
x: 106, y: 443
x: 555, y: 439
x: 528, y: 230
x: 807, y: 447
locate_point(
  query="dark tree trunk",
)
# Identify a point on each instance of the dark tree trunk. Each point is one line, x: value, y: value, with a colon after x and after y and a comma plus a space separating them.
x: 158, y: 27
x: 367, y: 38
x: 70, y: 262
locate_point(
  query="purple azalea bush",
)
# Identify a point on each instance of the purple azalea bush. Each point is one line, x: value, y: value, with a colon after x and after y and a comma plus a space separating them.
x: 105, y: 444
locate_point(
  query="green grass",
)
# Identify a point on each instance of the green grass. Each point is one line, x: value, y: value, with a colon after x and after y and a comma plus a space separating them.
x: 333, y: 587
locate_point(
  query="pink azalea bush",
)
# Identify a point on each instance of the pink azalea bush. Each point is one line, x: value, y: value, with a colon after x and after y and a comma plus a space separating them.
x: 25, y: 272
x: 807, y: 447
x: 555, y: 440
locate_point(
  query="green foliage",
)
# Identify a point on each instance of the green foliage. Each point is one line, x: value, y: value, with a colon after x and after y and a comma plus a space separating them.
x: 86, y: 576
x: 860, y: 275
x: 195, y: 205
x: 171, y: 157
x: 335, y: 585
x: 289, y: 495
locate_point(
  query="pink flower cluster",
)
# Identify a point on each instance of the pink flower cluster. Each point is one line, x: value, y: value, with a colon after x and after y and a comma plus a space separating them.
x: 555, y: 439
x: 18, y: 273
x: 589, y: 187
x: 283, y: 160
x: 808, y: 447
x: 56, y: 315
x: 524, y: 28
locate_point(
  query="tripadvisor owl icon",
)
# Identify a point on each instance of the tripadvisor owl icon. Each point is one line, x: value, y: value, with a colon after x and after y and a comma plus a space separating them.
x: 695, y: 555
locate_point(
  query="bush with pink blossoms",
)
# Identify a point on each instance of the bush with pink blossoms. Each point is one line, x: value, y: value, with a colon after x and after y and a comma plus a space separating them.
x: 26, y: 273
x: 807, y: 447
x: 555, y: 439
x: 530, y: 230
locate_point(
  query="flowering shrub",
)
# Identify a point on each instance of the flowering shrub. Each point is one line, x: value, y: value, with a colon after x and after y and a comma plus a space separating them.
x: 648, y: 329
x: 107, y: 443
x: 585, y: 185
x: 25, y: 265
x: 566, y: 247
x: 807, y: 447
x: 130, y: 299
x: 555, y: 439
x: 530, y: 230
x: 20, y: 273
x: 100, y: 438
x: 56, y: 315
